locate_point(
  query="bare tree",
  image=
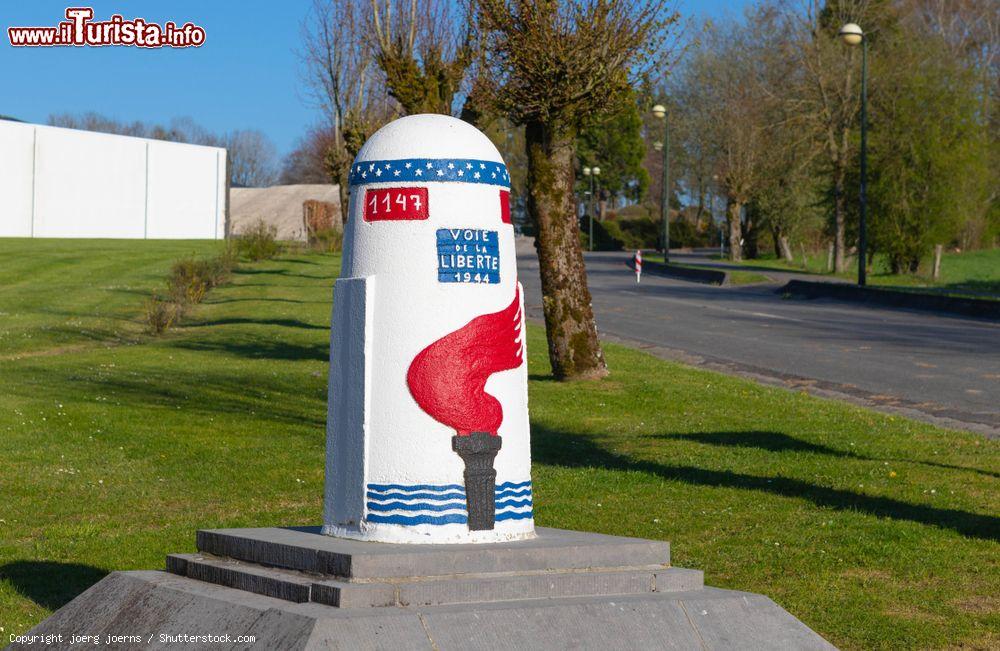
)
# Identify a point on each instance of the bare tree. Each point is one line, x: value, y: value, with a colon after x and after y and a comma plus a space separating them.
x: 252, y: 158
x: 182, y: 129
x: 971, y: 31
x: 778, y: 118
x: 185, y: 129
x: 692, y: 161
x: 551, y: 65
x: 92, y: 121
x: 344, y: 82
x: 786, y: 195
x: 829, y: 94
x: 252, y: 155
x: 424, y: 49
x: 723, y: 101
x: 970, y: 28
x: 307, y: 162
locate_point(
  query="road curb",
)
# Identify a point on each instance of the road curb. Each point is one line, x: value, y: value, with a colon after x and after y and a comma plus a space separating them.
x: 922, y: 411
x: 706, y: 276
x: 980, y: 308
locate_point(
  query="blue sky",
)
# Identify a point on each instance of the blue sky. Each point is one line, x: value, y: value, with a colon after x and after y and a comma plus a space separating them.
x: 247, y: 75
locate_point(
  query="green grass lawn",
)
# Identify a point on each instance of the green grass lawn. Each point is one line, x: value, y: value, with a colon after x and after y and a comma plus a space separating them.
x: 972, y: 273
x: 746, y: 278
x: 56, y: 294
x: 876, y: 531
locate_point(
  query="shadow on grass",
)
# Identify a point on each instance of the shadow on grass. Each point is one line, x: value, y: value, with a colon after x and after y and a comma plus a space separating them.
x: 68, y: 336
x: 578, y: 450
x: 263, y: 299
x: 284, y: 323
x: 300, y: 261
x: 270, y: 285
x: 260, y: 349
x: 211, y: 391
x: 144, y: 292
x: 778, y: 442
x: 50, y: 584
x: 771, y: 441
x: 281, y: 272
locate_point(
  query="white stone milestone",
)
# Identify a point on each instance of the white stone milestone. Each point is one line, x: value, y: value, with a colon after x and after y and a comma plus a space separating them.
x: 427, y: 425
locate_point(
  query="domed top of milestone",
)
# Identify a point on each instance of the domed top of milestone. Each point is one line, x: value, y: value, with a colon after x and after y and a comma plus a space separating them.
x: 430, y: 136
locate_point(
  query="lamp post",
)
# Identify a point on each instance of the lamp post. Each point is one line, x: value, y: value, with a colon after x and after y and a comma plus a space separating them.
x: 590, y: 238
x: 852, y: 35
x: 593, y: 173
x: 660, y: 113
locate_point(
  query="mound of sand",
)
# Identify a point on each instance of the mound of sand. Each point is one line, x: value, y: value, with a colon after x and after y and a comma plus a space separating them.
x: 279, y: 206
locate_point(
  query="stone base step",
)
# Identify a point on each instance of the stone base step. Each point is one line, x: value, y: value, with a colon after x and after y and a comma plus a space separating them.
x: 300, y: 587
x: 307, y: 550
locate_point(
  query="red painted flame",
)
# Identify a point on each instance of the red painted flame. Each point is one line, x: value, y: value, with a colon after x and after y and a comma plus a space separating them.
x: 448, y: 378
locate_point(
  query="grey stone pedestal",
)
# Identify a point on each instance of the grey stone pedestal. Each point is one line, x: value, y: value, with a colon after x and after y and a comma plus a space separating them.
x: 297, y: 589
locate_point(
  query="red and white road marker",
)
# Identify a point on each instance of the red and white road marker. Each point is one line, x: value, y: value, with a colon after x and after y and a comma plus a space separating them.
x: 638, y: 265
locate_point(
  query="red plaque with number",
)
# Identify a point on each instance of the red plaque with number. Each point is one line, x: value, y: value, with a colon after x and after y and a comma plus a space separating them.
x: 396, y: 204
x: 505, y: 206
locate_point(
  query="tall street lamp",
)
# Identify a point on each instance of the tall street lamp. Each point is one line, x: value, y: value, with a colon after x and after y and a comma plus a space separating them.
x: 660, y: 113
x: 852, y: 35
x: 590, y: 196
x: 593, y: 173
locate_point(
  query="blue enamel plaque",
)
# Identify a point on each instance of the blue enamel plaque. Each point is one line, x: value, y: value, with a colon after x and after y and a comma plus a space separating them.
x: 468, y: 255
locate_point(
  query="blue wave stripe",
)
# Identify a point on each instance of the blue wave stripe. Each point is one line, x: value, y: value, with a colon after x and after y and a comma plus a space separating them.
x: 418, y: 506
x: 501, y: 504
x: 510, y: 484
x: 437, y: 497
x: 514, y: 493
x: 504, y: 509
x: 524, y: 492
x: 451, y: 518
x: 425, y: 170
x: 382, y: 488
x: 441, y: 506
x: 513, y: 515
x: 415, y: 487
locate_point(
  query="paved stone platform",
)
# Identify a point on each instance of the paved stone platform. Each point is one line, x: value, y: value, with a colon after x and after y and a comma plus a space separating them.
x: 300, y: 565
x: 306, y: 549
x: 296, y: 589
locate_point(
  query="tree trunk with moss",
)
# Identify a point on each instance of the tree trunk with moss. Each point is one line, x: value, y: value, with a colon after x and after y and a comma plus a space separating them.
x: 574, y: 349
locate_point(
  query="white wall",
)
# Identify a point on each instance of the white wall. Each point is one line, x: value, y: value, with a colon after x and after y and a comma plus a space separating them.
x: 17, y: 145
x: 187, y: 191
x: 66, y: 183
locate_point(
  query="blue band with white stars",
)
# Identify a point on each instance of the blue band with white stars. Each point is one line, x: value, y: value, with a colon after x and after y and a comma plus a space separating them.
x: 424, y: 170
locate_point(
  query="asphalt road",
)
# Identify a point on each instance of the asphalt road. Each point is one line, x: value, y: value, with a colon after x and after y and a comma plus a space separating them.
x: 942, y: 369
